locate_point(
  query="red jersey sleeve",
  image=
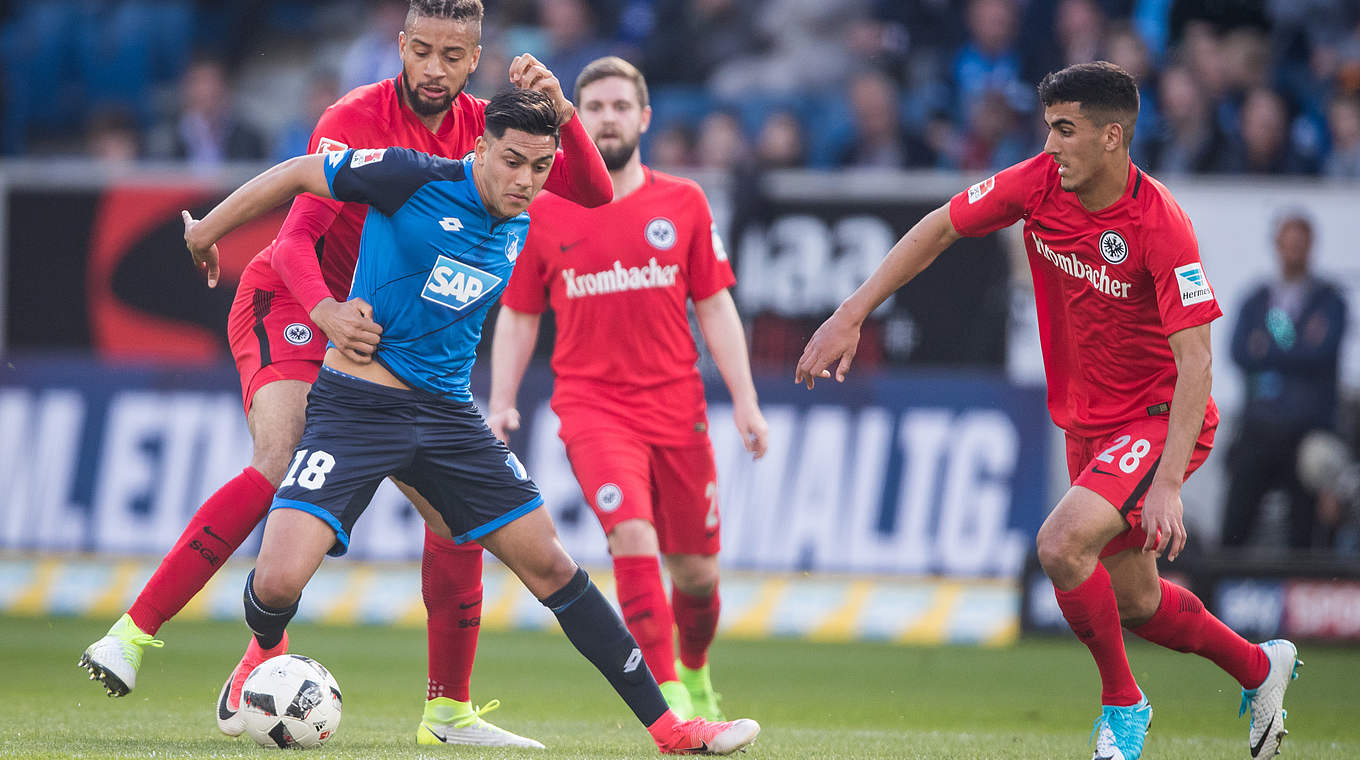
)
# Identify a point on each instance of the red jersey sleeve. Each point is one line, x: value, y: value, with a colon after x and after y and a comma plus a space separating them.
x: 294, y: 256
x: 709, y: 269
x: 1000, y: 200
x: 527, y: 291
x: 578, y: 173
x: 1184, y: 296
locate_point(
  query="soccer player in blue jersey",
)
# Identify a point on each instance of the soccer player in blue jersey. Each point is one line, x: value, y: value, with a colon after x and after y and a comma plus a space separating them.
x: 437, y: 248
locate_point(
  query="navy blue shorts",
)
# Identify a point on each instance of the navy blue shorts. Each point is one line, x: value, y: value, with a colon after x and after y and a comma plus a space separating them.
x: 359, y: 433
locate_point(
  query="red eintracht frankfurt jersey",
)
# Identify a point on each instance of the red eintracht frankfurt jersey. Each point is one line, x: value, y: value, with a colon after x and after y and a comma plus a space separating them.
x: 1110, y: 287
x: 373, y: 116
x: 618, y: 277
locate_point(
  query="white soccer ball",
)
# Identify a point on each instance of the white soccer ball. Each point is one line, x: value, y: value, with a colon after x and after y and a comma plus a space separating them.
x: 290, y: 702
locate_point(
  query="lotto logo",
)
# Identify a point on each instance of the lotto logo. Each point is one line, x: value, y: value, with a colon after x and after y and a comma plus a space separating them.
x: 457, y: 285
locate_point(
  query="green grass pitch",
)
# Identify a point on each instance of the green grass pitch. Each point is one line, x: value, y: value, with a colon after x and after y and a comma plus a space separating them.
x: 1034, y: 700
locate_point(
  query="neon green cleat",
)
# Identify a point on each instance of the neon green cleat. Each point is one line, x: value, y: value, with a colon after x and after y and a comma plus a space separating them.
x: 701, y: 694
x: 678, y: 699
x: 114, y: 659
x: 446, y: 721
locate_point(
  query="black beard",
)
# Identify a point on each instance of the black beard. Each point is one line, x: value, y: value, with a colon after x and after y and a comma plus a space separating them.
x: 617, y: 158
x: 424, y: 106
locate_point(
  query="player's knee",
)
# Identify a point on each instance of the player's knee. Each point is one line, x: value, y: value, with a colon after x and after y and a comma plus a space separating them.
x: 1137, y: 606
x: 696, y: 575
x: 633, y: 538
x: 271, y: 459
x: 1058, y: 553
x: 275, y: 587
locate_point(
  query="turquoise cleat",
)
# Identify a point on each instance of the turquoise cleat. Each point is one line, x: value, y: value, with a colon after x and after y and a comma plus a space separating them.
x: 1119, y: 731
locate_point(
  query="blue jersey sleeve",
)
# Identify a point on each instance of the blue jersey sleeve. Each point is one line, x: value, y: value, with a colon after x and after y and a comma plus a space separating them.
x: 384, y: 178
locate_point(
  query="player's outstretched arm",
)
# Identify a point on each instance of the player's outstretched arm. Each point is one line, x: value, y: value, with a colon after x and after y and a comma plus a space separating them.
x: 1163, y: 517
x: 721, y: 326
x: 276, y: 185
x: 512, y: 346
x: 838, y: 337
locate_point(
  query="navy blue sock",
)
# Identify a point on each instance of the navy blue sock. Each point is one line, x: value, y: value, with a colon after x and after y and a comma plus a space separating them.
x: 597, y: 632
x: 266, y: 622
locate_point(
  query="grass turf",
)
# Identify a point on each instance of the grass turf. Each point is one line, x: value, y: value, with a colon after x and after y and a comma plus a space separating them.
x: 1034, y: 700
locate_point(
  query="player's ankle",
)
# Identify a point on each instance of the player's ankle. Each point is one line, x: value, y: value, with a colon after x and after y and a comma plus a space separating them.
x: 663, y: 729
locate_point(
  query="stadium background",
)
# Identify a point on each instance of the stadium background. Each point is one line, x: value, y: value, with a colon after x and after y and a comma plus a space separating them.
x: 900, y: 507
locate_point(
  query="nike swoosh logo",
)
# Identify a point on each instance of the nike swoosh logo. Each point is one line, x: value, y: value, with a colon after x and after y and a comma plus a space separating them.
x: 1102, y: 472
x: 1256, y: 750
x: 568, y: 246
x: 469, y: 605
x: 208, y: 530
x: 699, y: 750
x: 436, y: 734
x: 223, y: 711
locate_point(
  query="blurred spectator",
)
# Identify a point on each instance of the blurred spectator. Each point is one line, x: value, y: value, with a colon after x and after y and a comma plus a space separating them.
x: 1125, y: 47
x: 373, y: 55
x: 112, y: 136
x: 992, y: 140
x: 672, y: 147
x: 693, y: 37
x: 323, y: 89
x: 1189, y: 140
x: 206, y: 132
x: 1263, y: 145
x: 879, y: 139
x: 721, y: 144
x: 989, y: 59
x: 1286, y: 340
x: 781, y: 143
x: 1079, y: 28
x: 573, y: 38
x: 1344, y: 118
x: 788, y: 66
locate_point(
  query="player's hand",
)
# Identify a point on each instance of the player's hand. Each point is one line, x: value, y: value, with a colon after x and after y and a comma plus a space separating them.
x: 1162, y: 520
x: 755, y: 434
x: 502, y: 422
x: 349, y: 326
x: 836, y: 340
x: 527, y: 73
x: 204, y: 253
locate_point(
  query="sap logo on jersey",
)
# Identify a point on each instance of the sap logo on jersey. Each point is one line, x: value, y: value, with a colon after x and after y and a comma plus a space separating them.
x: 1194, y: 286
x: 457, y: 285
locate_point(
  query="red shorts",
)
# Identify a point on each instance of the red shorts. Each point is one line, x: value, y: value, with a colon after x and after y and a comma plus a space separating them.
x: 1120, y: 465
x: 271, y: 336
x: 673, y: 488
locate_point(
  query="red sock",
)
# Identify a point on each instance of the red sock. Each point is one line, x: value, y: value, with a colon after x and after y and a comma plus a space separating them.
x: 1181, y: 623
x: 696, y: 618
x: 216, y: 529
x: 647, y: 613
x: 663, y: 729
x: 1091, y: 611
x: 451, y: 582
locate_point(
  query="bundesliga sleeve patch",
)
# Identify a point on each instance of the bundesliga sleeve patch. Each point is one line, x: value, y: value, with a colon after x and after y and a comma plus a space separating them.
x: 719, y: 250
x: 979, y: 191
x: 366, y: 156
x: 1193, y: 284
x: 326, y: 145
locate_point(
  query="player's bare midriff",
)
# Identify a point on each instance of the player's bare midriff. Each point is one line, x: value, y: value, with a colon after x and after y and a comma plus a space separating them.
x: 372, y: 371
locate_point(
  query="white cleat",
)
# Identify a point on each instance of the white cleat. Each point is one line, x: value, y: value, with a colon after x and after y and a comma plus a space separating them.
x: 446, y: 721
x: 113, y: 660
x: 704, y: 737
x: 1266, y: 702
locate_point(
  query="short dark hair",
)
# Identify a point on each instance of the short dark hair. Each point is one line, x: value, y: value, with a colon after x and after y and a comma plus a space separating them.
x: 611, y: 66
x: 453, y: 10
x: 1105, y: 92
x: 526, y: 110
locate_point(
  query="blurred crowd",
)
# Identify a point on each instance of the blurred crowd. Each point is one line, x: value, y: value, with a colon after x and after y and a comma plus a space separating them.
x: 1229, y: 86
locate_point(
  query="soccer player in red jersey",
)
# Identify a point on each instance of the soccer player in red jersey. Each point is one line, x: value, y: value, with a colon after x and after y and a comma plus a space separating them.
x: 627, y: 391
x: 292, y: 292
x: 1124, y: 311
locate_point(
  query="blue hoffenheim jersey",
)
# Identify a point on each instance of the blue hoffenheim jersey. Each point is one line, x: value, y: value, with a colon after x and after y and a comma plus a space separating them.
x: 432, y: 260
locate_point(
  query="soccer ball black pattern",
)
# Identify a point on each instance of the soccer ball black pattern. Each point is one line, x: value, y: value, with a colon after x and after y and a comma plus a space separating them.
x: 290, y: 702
